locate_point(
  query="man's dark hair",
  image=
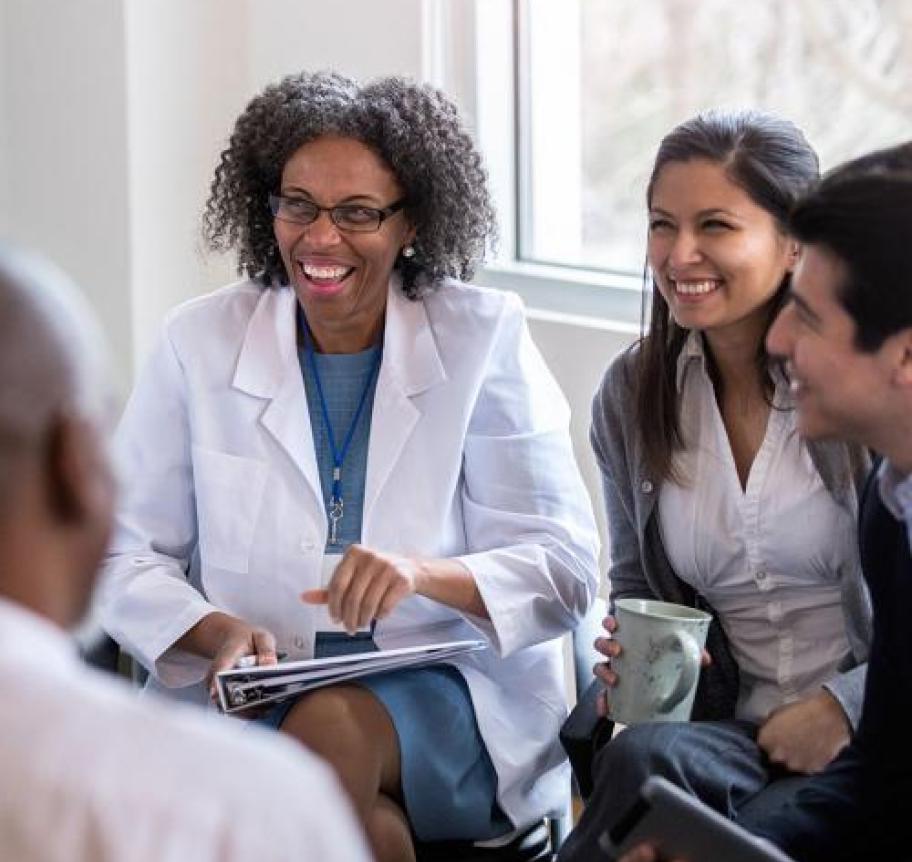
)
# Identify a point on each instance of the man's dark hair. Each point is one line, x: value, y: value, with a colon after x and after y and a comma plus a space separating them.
x: 862, y: 212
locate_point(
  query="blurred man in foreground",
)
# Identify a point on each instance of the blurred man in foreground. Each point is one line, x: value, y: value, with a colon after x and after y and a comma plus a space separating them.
x: 89, y: 771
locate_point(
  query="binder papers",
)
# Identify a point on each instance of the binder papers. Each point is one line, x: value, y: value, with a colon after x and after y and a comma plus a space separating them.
x: 242, y: 688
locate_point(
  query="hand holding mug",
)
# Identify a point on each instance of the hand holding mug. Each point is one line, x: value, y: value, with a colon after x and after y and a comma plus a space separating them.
x: 659, y: 651
x: 610, y: 648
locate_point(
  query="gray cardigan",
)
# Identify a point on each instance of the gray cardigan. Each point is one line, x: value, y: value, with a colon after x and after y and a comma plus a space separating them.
x: 640, y: 568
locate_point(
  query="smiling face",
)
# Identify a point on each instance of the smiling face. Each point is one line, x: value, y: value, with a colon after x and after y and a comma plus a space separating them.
x: 841, y: 391
x: 341, y: 278
x: 718, y: 258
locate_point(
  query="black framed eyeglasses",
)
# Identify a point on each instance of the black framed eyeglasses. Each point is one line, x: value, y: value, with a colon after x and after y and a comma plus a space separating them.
x: 347, y: 217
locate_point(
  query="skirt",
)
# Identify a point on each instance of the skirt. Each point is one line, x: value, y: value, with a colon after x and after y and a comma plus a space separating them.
x: 448, y: 780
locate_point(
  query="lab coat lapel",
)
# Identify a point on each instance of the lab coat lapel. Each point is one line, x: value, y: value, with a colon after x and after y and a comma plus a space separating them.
x: 268, y: 368
x: 411, y: 365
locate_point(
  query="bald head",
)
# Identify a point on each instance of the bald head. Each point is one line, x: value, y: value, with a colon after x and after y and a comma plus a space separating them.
x: 56, y: 489
x: 51, y: 357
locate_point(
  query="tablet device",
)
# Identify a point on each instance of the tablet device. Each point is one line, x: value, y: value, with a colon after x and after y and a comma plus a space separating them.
x: 681, y: 826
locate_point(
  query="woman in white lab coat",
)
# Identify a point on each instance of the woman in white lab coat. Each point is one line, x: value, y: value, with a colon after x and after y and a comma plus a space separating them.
x: 352, y: 398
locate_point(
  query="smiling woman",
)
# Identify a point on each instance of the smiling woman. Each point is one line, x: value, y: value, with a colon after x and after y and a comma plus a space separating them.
x: 717, y: 257
x: 414, y: 129
x: 339, y: 262
x: 352, y: 449
x: 713, y: 498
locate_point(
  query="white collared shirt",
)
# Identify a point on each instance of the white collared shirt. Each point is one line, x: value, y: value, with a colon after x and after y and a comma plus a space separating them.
x: 896, y: 492
x: 768, y: 557
x: 91, y: 773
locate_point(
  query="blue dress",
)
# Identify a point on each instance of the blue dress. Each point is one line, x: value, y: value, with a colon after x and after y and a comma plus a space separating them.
x: 448, y: 781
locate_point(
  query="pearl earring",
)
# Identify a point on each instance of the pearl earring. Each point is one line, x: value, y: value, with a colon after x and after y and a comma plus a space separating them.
x: 408, y: 251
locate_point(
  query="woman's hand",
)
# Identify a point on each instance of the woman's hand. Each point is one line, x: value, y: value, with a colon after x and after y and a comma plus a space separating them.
x: 235, y: 639
x: 806, y: 735
x: 241, y: 641
x: 645, y: 853
x: 610, y: 648
x: 224, y: 639
x: 366, y: 585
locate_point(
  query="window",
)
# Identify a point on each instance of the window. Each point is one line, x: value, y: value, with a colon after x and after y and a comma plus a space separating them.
x: 571, y: 98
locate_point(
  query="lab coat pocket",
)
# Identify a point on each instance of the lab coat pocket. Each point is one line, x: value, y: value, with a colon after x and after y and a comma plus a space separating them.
x: 229, y: 493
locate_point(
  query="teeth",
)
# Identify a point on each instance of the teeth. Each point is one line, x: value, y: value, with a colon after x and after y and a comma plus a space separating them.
x: 325, y: 272
x: 694, y: 288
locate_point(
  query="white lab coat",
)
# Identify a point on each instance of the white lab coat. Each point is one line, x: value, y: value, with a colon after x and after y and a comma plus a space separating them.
x: 469, y: 457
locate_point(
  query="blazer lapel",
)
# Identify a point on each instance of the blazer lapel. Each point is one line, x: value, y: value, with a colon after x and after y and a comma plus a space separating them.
x: 268, y: 368
x: 411, y: 365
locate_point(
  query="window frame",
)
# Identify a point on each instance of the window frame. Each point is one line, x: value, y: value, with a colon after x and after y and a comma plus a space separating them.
x: 464, y: 43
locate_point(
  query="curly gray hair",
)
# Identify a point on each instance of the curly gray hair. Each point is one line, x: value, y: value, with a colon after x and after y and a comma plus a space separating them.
x: 414, y: 128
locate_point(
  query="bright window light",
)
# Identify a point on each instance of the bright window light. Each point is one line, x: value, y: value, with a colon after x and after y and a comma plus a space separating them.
x: 602, y: 81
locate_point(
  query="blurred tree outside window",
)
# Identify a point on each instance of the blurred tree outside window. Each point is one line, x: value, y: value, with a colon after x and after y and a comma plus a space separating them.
x: 605, y: 80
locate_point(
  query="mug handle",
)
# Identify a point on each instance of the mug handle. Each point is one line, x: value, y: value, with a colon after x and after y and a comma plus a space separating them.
x: 691, y: 655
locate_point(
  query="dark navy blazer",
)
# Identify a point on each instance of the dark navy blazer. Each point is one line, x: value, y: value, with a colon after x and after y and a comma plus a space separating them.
x: 860, y: 807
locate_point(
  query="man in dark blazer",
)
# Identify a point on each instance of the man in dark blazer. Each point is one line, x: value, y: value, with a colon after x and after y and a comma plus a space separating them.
x: 845, y: 333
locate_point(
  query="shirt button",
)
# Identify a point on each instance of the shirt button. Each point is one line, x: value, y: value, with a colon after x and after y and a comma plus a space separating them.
x: 307, y: 545
x: 761, y: 575
x: 299, y: 642
x: 646, y: 486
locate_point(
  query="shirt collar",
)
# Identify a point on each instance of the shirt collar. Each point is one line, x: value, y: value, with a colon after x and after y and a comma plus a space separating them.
x: 693, y: 354
x: 28, y: 637
x: 895, y: 491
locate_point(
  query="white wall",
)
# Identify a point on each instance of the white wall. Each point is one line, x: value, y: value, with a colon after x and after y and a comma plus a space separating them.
x: 65, y: 189
x: 186, y: 78
x: 362, y: 38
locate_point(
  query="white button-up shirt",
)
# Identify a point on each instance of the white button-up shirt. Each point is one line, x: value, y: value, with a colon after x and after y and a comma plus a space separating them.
x: 767, y: 557
x: 896, y: 492
x: 93, y: 773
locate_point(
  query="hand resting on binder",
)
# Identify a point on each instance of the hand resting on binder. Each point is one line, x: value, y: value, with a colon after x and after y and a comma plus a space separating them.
x: 227, y: 638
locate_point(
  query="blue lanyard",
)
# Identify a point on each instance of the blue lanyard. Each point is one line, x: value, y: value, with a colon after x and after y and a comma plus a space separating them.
x: 336, y: 503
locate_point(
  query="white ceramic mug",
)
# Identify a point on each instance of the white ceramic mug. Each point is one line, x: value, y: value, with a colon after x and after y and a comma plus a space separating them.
x: 659, y: 665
